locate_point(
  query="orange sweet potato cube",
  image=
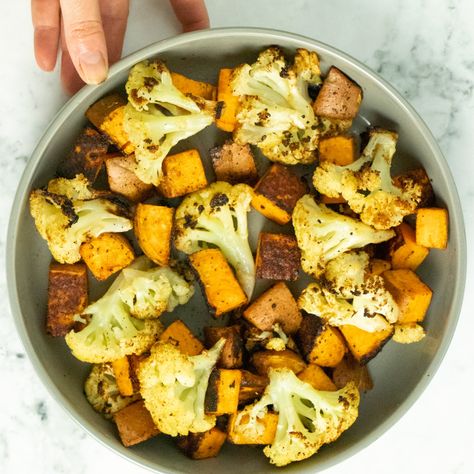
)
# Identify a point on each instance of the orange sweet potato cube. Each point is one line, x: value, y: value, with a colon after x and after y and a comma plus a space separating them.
x: 67, y: 296
x: 123, y: 376
x: 183, y: 173
x: 278, y: 257
x: 340, y: 150
x: 317, y: 378
x: 107, y: 254
x: 432, y: 227
x: 404, y: 251
x: 412, y: 296
x: 135, y: 424
x: 349, y: 370
x: 277, y: 192
x: 377, y: 266
x: 222, y: 394
x: 189, y: 86
x: 237, y: 434
x: 203, y: 445
x: 263, y: 361
x: 222, y: 290
x: 180, y: 335
x: 251, y: 386
x: 274, y: 306
x: 228, y: 103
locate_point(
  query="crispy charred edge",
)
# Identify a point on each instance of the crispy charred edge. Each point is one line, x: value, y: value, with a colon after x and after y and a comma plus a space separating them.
x: 251, y: 386
x: 211, y: 400
x: 63, y: 203
x: 212, y: 309
x: 367, y: 357
x: 419, y: 176
x: 310, y: 329
x: 122, y: 207
x: 219, y: 109
x: 190, y: 443
x: 234, y: 342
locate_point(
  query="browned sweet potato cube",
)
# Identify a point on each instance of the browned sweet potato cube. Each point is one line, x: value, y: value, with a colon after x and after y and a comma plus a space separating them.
x: 189, y: 86
x: 202, y: 445
x: 234, y: 163
x: 277, y: 192
x: 264, y: 360
x: 220, y: 287
x: 251, y: 386
x: 317, y: 378
x: 67, y: 296
x: 278, y: 257
x: 180, y: 335
x: 183, y: 173
x: 222, y: 394
x: 349, y: 370
x: 107, y: 114
x: 122, y: 179
x: 237, y: 434
x: 320, y: 343
x: 340, y: 150
x: 123, y: 378
x: 153, y: 226
x: 276, y: 305
x: 232, y: 354
x: 339, y: 97
x: 107, y: 254
x: 403, y: 249
x: 228, y: 103
x: 135, y: 424
x: 86, y: 157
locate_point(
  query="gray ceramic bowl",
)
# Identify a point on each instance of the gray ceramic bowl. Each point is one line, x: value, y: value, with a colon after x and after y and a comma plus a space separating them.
x: 401, y: 373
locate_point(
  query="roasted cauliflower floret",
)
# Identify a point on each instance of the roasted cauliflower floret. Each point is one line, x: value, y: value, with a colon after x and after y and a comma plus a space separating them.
x: 158, y: 116
x: 307, y: 418
x: 173, y: 386
x: 323, y: 234
x: 102, y: 391
x: 275, y: 111
x: 217, y: 215
x: 68, y: 213
x: 367, y: 184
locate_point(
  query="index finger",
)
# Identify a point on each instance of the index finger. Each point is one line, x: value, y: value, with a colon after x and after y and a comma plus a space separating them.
x: 192, y: 14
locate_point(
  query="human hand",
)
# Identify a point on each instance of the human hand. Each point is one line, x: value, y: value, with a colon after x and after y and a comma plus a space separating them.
x: 89, y: 34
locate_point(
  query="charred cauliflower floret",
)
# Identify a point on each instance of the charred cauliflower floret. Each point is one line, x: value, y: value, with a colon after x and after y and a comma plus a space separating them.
x: 367, y: 184
x: 112, y: 330
x: 102, y: 391
x: 348, y: 295
x: 275, y: 111
x: 68, y: 213
x: 217, y: 215
x: 158, y: 116
x: 173, y: 386
x: 323, y: 234
x: 307, y: 418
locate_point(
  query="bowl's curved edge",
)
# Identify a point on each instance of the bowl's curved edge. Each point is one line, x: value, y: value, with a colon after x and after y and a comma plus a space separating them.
x: 273, y: 36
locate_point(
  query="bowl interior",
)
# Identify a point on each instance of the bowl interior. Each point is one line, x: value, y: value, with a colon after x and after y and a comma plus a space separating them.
x: 399, y: 372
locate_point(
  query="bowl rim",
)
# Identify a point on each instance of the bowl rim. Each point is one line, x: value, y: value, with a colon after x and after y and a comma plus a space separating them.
x: 273, y: 37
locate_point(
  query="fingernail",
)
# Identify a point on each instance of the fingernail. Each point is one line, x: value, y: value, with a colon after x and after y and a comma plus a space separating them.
x: 93, y: 67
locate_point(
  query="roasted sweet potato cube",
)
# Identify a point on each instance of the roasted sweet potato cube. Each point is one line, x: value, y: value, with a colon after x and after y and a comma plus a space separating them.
x: 123, y: 377
x: 153, y: 226
x: 278, y: 257
x: 422, y: 179
x: 432, y: 227
x: 183, y: 173
x: 228, y: 103
x: 202, y: 445
x: 219, y: 285
x: 317, y: 378
x: 232, y: 354
x: 122, y: 179
x: 365, y: 345
x: 222, y: 394
x: 234, y: 163
x: 320, y: 343
x: 412, y: 296
x: 331, y: 200
x: 107, y: 254
x: 67, y: 296
x: 251, y: 386
x: 340, y: 150
x: 277, y: 192
x: 339, y: 97
x: 189, y: 86
x: 180, y: 335
x: 238, y: 434
x: 377, y: 266
x: 86, y: 157
x: 107, y: 114
x: 403, y: 249
x: 135, y: 424
x: 349, y: 370
x: 264, y: 360
x: 276, y: 305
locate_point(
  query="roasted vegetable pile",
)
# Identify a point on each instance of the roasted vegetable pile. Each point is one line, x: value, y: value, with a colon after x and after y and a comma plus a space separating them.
x: 274, y: 367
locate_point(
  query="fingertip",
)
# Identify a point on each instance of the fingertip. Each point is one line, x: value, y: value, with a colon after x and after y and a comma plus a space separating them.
x: 46, y: 48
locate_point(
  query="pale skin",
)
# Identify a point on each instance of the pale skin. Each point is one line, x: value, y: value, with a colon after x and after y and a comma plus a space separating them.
x: 88, y: 35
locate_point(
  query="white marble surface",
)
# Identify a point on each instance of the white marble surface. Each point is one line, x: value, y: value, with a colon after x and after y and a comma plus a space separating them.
x: 425, y: 48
